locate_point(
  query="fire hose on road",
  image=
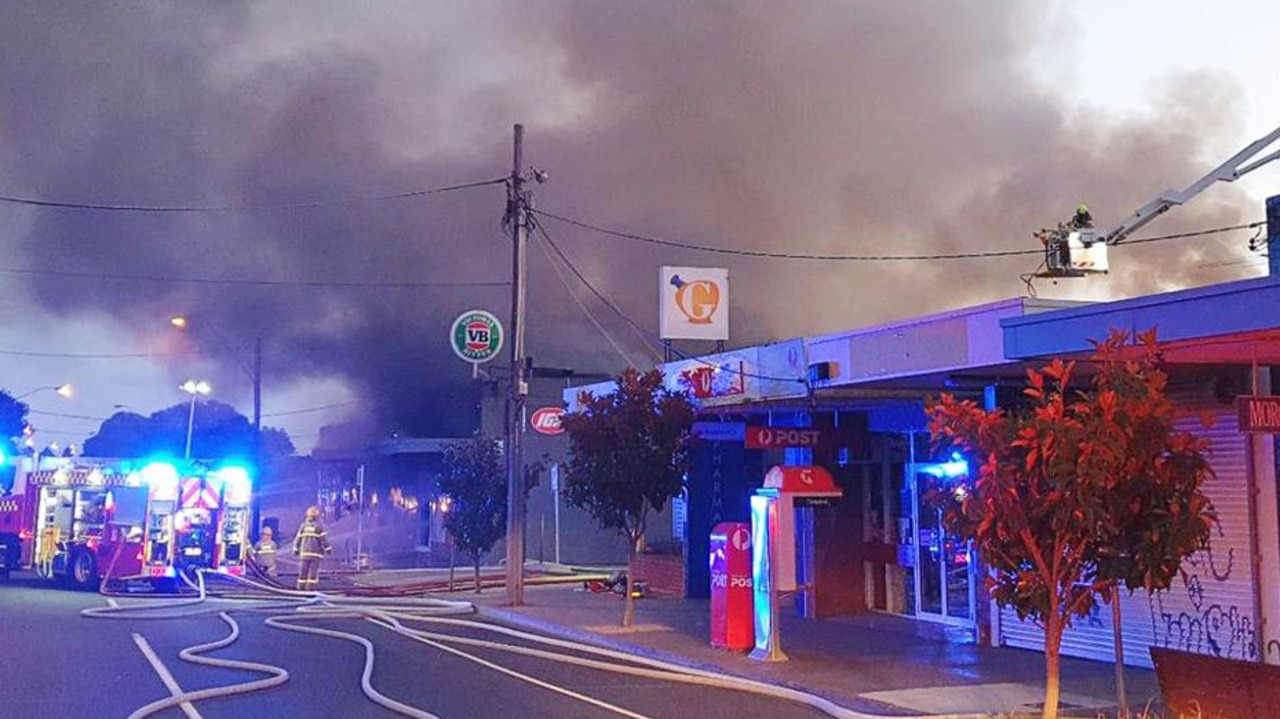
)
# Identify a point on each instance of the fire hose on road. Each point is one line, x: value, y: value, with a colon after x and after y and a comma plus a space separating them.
x: 297, y: 611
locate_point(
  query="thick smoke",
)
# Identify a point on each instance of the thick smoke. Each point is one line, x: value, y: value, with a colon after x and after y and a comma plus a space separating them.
x: 830, y: 127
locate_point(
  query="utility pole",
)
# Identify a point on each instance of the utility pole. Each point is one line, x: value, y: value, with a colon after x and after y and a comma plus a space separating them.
x: 256, y: 510
x: 517, y: 219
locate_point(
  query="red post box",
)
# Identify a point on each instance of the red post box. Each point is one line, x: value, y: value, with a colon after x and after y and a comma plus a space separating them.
x: 732, y: 600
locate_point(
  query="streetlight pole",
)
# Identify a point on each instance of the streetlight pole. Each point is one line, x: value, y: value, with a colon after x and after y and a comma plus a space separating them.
x: 255, y: 502
x: 255, y: 374
x: 62, y: 389
x: 516, y: 204
x: 193, y: 388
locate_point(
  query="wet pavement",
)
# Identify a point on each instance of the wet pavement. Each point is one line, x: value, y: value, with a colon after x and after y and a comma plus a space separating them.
x: 874, y: 663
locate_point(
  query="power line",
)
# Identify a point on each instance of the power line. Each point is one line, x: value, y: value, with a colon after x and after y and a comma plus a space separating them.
x: 761, y: 254
x: 246, y: 281
x: 76, y: 355
x: 71, y: 205
x: 645, y: 333
x: 64, y: 415
x: 641, y: 331
x: 1196, y: 233
x: 582, y: 306
x: 306, y: 410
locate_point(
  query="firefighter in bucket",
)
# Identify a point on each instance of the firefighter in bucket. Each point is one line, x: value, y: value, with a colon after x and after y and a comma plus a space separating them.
x: 310, y: 546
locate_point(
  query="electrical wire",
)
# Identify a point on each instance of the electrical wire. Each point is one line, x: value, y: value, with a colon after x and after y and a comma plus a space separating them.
x: 253, y: 282
x: 70, y: 205
x: 643, y: 333
x: 64, y: 415
x: 762, y: 254
x: 90, y: 355
x: 649, y: 336
x: 307, y: 410
x: 1196, y: 233
x: 582, y: 306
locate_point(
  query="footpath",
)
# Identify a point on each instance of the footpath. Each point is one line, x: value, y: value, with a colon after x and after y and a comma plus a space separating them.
x: 875, y: 664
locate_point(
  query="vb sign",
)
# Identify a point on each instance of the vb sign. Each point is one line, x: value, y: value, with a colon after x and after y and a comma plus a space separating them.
x: 476, y: 336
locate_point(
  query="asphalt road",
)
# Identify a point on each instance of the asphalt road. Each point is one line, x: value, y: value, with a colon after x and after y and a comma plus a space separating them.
x: 59, y: 664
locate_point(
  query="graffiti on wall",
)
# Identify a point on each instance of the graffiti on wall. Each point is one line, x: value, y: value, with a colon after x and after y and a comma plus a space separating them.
x: 1189, y: 620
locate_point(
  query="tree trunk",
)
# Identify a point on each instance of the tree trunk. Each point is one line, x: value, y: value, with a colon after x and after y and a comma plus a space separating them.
x: 477, y: 568
x: 1052, y: 654
x: 451, y: 563
x: 628, y: 600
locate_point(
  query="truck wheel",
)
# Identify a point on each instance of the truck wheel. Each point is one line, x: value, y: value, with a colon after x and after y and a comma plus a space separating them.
x: 83, y: 570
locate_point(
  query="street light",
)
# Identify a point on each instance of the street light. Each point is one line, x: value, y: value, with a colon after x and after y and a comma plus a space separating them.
x: 62, y: 389
x: 193, y: 388
x: 181, y: 322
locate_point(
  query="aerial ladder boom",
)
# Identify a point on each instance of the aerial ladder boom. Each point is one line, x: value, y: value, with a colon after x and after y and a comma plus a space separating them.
x: 1077, y: 251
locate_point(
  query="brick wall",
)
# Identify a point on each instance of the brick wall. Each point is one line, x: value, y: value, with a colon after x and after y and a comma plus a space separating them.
x: 664, y: 573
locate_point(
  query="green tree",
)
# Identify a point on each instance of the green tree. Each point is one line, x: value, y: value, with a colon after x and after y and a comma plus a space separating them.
x: 218, y: 431
x: 628, y: 456
x: 1083, y: 488
x: 13, y: 418
x: 474, y: 479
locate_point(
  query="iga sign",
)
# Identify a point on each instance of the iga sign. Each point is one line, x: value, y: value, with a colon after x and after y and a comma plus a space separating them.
x: 1259, y: 414
x: 547, y: 420
x: 476, y: 336
x: 693, y: 303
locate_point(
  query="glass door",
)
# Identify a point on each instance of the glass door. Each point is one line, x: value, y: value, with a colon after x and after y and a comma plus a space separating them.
x: 944, y: 572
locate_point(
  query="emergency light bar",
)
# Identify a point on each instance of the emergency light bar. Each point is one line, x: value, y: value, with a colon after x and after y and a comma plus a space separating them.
x: 162, y: 478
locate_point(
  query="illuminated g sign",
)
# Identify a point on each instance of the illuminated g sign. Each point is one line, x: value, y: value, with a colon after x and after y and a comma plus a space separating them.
x: 698, y: 300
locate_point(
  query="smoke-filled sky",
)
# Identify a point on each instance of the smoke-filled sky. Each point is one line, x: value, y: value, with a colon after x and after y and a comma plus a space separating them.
x: 838, y: 127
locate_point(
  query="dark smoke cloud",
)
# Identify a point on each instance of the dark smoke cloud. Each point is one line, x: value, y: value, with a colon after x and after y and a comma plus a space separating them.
x: 837, y: 127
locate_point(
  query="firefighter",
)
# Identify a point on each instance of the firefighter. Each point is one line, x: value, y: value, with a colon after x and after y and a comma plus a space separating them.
x: 50, y: 538
x: 311, y: 546
x: 1083, y: 219
x: 264, y: 555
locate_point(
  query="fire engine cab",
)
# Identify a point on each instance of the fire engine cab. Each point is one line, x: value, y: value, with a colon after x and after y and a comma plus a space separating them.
x: 84, y: 522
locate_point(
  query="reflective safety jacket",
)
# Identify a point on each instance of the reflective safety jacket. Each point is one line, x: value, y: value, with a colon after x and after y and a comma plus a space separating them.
x: 311, y: 542
x: 265, y: 554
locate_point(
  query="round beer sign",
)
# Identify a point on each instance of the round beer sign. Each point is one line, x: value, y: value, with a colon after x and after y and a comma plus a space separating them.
x: 476, y: 336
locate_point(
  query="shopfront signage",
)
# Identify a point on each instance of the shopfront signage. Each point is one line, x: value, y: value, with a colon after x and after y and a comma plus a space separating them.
x: 1259, y: 414
x: 546, y: 420
x: 778, y: 437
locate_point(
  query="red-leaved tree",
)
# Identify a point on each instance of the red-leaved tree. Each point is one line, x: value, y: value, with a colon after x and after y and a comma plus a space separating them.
x: 1080, y: 490
x: 628, y: 454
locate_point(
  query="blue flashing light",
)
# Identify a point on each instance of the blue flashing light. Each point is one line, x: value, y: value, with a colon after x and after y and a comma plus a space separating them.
x: 236, y: 483
x: 162, y: 478
x: 3, y: 458
x: 947, y: 470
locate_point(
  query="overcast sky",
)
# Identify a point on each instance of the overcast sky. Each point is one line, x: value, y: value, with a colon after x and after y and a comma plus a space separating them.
x: 808, y: 127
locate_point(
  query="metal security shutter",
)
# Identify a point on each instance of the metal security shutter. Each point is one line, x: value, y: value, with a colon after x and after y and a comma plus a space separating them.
x: 1211, y: 610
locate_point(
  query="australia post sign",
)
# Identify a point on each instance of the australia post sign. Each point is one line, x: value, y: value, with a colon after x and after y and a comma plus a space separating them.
x: 1259, y: 414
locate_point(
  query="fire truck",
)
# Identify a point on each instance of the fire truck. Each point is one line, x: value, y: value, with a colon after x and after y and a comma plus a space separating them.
x: 84, y: 521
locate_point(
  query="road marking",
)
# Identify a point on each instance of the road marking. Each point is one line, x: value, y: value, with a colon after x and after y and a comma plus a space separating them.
x: 165, y: 676
x: 112, y: 601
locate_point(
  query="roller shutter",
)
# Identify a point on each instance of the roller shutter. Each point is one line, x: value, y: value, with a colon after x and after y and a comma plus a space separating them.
x: 1211, y: 610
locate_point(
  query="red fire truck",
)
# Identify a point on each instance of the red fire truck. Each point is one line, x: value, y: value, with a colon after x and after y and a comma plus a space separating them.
x: 84, y: 521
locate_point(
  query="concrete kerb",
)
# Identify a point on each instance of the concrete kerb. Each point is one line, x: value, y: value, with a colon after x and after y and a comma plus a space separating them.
x: 865, y: 707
